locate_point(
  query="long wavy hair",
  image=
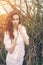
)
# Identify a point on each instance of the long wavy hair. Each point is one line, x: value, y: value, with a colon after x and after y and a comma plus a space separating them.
x: 9, y: 26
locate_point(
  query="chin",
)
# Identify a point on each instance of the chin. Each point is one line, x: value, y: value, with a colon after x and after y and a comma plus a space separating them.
x: 15, y: 25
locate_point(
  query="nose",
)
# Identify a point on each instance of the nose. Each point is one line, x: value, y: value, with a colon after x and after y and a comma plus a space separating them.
x: 15, y: 21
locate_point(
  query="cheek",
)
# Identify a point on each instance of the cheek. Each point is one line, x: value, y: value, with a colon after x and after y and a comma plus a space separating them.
x: 13, y: 22
x: 17, y: 22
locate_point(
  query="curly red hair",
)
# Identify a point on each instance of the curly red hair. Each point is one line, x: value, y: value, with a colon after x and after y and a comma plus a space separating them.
x: 9, y: 26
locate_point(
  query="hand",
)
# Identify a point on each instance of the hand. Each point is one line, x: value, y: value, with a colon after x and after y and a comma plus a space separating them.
x: 15, y: 35
x: 20, y: 28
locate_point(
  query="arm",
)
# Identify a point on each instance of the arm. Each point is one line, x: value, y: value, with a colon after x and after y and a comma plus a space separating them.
x: 9, y: 46
x: 13, y: 44
x: 24, y: 34
x: 26, y: 38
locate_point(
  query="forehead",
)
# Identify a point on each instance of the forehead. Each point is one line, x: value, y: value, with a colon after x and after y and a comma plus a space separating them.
x: 15, y: 16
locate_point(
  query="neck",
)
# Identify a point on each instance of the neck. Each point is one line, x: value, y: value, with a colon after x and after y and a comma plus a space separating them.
x: 15, y: 28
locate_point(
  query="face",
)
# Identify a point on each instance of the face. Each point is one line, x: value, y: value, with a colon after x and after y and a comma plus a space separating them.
x: 15, y: 20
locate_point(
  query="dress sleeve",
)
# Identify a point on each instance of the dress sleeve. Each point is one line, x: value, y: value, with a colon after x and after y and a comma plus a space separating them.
x: 7, y: 41
x: 25, y: 35
x: 23, y: 28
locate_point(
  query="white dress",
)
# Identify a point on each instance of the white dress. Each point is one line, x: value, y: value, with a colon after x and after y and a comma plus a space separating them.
x: 17, y: 57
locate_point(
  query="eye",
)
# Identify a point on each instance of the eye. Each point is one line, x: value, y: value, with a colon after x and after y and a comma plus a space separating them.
x: 16, y: 19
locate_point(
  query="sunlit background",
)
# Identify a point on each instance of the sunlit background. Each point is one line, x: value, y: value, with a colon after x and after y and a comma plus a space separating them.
x: 31, y: 12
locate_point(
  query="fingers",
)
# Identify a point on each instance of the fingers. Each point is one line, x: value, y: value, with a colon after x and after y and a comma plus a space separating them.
x: 20, y: 27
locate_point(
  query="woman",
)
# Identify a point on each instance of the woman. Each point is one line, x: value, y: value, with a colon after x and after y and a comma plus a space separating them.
x: 15, y: 38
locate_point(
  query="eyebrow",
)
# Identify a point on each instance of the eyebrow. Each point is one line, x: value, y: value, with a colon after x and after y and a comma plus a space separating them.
x: 15, y: 19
